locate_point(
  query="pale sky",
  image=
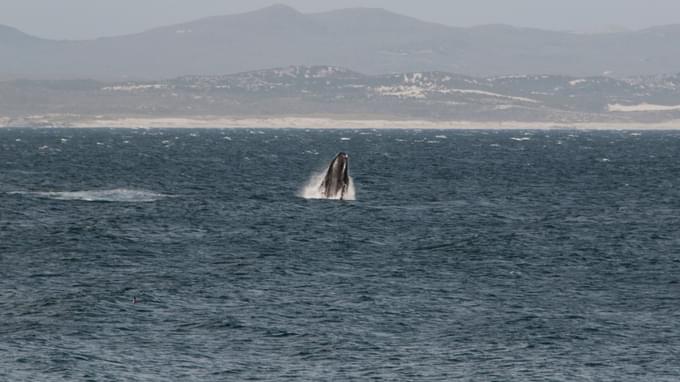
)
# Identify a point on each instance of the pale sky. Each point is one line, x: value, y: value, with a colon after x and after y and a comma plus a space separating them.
x: 82, y: 19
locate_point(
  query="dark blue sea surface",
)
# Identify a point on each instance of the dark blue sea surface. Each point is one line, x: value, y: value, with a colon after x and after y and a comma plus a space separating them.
x: 467, y: 255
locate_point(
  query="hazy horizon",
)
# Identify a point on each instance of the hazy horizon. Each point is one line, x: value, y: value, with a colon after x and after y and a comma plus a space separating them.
x: 82, y: 19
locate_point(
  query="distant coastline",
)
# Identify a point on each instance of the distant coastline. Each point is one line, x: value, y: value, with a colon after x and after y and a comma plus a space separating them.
x: 321, y: 123
x: 318, y: 96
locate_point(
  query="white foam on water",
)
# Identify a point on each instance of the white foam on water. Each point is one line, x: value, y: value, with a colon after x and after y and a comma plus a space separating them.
x: 116, y: 195
x: 312, y: 190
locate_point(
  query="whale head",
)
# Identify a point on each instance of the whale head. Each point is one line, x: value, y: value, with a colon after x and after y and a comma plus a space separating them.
x: 336, y: 181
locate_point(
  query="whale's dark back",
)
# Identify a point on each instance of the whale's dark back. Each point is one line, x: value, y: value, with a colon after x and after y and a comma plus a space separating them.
x: 336, y: 181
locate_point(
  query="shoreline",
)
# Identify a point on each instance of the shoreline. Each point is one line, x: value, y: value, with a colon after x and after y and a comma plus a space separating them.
x: 328, y: 123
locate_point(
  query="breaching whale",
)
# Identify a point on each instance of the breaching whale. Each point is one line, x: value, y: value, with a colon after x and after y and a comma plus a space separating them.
x: 336, y: 181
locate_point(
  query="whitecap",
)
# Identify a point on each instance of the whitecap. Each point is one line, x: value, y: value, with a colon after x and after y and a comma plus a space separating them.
x: 345, y: 139
x: 115, y: 195
x: 521, y: 139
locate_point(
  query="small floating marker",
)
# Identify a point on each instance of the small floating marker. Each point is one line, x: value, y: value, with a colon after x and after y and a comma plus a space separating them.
x: 135, y: 300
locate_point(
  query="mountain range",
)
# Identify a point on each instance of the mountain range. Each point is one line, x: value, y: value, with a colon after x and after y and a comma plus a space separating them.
x: 371, y: 41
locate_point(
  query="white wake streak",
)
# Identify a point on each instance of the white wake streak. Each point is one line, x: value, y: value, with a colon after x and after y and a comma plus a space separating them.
x: 116, y: 195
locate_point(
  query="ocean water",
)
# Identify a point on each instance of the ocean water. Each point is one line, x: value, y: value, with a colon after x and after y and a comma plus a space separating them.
x: 467, y: 255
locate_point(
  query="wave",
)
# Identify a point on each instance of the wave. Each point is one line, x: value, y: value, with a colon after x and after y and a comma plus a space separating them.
x: 116, y: 195
x: 312, y: 190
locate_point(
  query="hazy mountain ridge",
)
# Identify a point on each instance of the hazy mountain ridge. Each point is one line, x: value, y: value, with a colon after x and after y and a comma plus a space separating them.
x: 338, y: 92
x: 372, y: 41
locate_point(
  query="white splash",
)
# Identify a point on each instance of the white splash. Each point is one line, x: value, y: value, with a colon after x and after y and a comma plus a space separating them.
x: 312, y: 190
x: 115, y: 195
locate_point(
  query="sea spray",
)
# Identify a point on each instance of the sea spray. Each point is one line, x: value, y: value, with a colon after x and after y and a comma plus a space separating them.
x: 312, y: 190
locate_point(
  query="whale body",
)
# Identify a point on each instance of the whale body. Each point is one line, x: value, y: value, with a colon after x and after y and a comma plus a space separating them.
x: 336, y: 181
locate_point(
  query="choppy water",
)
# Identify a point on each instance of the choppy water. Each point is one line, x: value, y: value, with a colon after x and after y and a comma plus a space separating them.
x: 468, y: 255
